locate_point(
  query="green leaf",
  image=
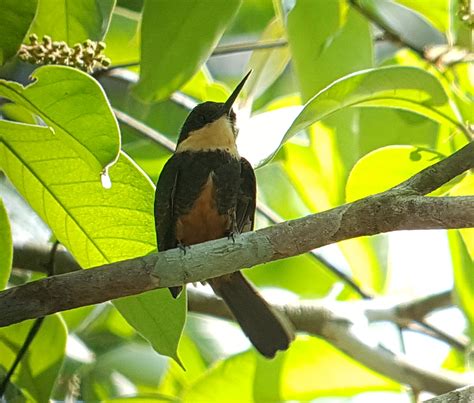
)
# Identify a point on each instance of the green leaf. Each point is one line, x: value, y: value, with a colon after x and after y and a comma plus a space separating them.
x: 6, y: 247
x: 73, y: 21
x: 231, y: 377
x: 328, y: 40
x: 15, y: 19
x: 75, y: 107
x: 310, y: 358
x: 177, y: 38
x: 122, y: 39
x: 398, y: 87
x: 463, y: 274
x: 435, y: 11
x: 163, y: 325
x: 387, y: 167
x: 136, y: 362
x: 268, y: 64
x: 40, y: 366
x: 248, y: 377
x: 176, y: 378
x: 96, y: 225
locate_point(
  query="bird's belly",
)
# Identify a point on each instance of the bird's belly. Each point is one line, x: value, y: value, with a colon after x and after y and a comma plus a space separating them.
x: 203, y: 222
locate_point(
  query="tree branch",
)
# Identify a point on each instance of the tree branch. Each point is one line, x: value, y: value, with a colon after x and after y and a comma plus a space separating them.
x: 375, y: 214
x: 322, y: 314
x: 463, y: 395
x: 388, y: 211
x: 336, y: 323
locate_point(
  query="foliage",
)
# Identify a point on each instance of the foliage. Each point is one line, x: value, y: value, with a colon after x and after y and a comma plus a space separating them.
x: 333, y: 115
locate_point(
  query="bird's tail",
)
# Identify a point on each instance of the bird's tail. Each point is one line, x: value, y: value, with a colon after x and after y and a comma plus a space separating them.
x: 268, y: 330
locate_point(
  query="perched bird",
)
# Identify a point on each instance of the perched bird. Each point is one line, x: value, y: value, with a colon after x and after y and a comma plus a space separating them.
x: 207, y: 191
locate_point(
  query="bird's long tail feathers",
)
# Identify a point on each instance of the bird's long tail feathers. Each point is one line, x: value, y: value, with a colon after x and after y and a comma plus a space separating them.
x: 268, y: 330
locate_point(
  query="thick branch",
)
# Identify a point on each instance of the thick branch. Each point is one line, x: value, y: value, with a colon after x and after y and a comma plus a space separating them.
x: 335, y: 322
x: 463, y: 395
x: 395, y: 209
x: 375, y: 214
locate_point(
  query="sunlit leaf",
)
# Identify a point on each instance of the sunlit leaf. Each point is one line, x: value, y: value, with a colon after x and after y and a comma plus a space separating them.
x: 97, y: 225
x: 202, y: 87
x: 123, y: 39
x: 248, y: 377
x: 15, y: 19
x: 160, y: 325
x: 177, y: 38
x: 311, y: 358
x: 387, y: 167
x: 40, y: 366
x: 463, y: 274
x: 75, y: 106
x: 393, y: 87
x: 328, y: 40
x: 6, y: 247
x: 175, y: 380
x: 73, y: 21
x: 231, y: 377
x: 435, y: 11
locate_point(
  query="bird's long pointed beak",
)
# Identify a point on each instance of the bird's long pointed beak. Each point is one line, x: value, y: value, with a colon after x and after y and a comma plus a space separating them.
x: 230, y: 101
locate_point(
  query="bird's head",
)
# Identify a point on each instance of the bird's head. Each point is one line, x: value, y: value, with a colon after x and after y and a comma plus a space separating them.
x: 211, y: 125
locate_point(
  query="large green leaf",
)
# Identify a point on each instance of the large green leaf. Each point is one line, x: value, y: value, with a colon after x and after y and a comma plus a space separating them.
x: 177, y: 38
x: 97, y: 225
x: 248, y: 377
x: 328, y: 40
x: 15, y: 19
x: 311, y: 358
x: 398, y: 87
x: 73, y: 21
x: 387, y: 167
x: 40, y: 366
x: 163, y: 323
x: 6, y: 247
x: 75, y: 106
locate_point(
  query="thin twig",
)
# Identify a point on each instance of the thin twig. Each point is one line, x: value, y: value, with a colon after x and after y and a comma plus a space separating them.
x: 391, y: 34
x: 222, y: 50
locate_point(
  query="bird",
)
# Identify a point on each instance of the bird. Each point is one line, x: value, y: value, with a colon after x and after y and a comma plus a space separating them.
x: 207, y: 191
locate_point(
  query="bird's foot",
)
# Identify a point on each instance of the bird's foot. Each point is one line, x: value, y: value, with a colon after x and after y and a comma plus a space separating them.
x: 183, y: 247
x: 232, y: 235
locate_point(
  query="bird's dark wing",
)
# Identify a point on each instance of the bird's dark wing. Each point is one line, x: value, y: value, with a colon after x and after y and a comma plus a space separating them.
x: 165, y: 204
x: 247, y: 199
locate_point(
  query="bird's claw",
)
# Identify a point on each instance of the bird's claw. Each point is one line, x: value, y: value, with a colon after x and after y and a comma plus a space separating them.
x: 183, y: 247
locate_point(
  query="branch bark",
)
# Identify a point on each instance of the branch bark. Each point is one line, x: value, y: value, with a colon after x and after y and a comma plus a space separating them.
x: 336, y: 323
x: 401, y: 207
x: 332, y: 321
x: 464, y: 395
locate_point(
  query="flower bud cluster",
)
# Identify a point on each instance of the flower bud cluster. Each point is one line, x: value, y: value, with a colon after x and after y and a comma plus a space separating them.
x: 86, y: 56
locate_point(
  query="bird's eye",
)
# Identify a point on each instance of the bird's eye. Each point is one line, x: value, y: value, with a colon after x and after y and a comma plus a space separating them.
x: 202, y: 119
